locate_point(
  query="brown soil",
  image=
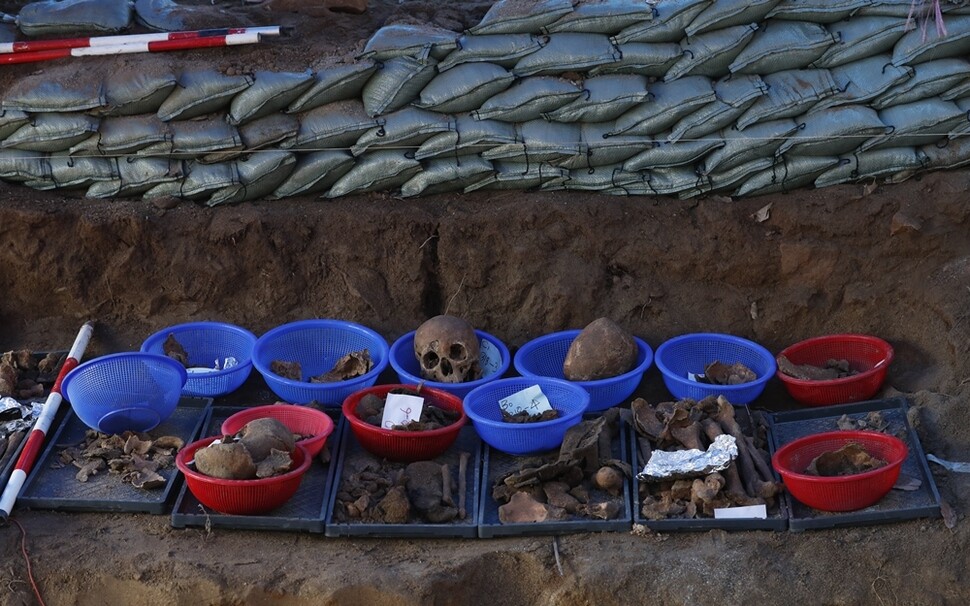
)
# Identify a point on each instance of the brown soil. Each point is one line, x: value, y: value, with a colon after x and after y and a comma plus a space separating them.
x: 893, y: 261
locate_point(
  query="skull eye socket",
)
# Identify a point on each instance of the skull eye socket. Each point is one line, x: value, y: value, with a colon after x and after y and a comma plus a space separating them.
x: 429, y: 360
x: 457, y: 352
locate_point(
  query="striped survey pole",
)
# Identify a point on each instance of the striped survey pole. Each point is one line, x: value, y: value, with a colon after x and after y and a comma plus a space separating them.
x: 39, y: 432
x: 156, y: 46
x: 93, y: 41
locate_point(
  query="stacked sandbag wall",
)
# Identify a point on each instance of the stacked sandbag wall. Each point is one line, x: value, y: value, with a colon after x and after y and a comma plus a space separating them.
x: 673, y: 97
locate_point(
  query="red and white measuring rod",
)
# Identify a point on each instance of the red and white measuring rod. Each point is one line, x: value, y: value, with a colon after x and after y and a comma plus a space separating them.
x: 139, y: 47
x: 43, y: 45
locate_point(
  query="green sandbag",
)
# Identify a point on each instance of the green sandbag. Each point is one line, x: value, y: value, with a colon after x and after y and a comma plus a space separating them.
x: 74, y: 17
x: 447, y: 174
x: 409, y: 40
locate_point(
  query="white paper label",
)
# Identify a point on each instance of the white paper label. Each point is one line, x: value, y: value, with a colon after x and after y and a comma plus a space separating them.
x: 489, y: 358
x: 530, y: 400
x: 759, y: 512
x: 401, y: 409
x: 692, y: 377
x: 219, y: 365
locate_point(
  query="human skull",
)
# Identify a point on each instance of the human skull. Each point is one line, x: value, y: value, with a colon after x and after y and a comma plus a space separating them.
x: 447, y: 350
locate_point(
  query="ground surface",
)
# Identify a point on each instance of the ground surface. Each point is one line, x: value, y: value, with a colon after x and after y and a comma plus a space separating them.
x: 893, y: 261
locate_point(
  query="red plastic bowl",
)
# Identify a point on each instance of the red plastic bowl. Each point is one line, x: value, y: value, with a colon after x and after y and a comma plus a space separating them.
x: 241, y: 497
x: 871, y: 356
x: 839, y: 493
x: 405, y: 446
x: 301, y: 420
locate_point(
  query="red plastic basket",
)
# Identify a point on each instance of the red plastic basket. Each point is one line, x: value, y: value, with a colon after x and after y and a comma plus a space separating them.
x: 840, y: 493
x: 241, y: 497
x: 871, y: 356
x: 405, y: 446
x: 301, y: 420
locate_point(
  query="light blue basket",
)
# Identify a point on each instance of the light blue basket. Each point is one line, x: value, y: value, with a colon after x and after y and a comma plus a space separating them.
x: 692, y: 353
x: 317, y: 345
x: 544, y: 357
x: 482, y: 407
x: 125, y: 391
x: 408, y: 368
x: 206, y: 342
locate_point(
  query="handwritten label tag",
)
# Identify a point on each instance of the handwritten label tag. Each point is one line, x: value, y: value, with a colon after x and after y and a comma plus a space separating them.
x: 530, y: 400
x: 401, y: 409
x: 489, y: 358
x: 758, y: 512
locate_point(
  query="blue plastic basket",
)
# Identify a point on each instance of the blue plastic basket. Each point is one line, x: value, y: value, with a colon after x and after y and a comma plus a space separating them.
x: 317, y: 345
x: 481, y: 406
x: 408, y: 368
x: 125, y: 391
x: 206, y: 342
x: 692, y: 353
x: 544, y: 357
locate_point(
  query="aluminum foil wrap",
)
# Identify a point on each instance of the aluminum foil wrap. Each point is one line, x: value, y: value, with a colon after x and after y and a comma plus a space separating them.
x: 15, y: 416
x: 673, y: 465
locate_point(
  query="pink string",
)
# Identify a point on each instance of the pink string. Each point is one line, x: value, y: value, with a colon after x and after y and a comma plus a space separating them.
x: 940, y: 25
x: 922, y: 12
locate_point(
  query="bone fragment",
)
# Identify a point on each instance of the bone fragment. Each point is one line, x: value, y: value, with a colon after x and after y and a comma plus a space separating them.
x: 462, y: 483
x: 688, y: 435
x: 754, y: 483
x: 645, y: 419
x: 446, y: 497
x: 13, y: 442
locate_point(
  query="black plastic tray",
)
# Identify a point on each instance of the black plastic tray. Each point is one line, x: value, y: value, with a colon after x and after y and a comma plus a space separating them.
x: 497, y: 463
x: 352, y: 455
x: 58, y: 489
x: 777, y: 520
x: 301, y: 513
x: 897, y: 505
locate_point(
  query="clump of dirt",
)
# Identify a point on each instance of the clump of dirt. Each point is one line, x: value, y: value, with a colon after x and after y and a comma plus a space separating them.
x: 287, y: 369
x: 225, y: 460
x: 569, y: 484
x: 833, y: 369
x: 261, y: 449
x: 135, y: 456
x: 262, y: 436
x: 353, y: 365
x: 690, y: 424
x: 173, y: 349
x: 371, y: 410
x: 398, y: 493
x: 525, y: 417
x: 25, y: 375
x: 350, y: 366
x: 719, y: 373
x: 603, y: 349
x: 872, y: 421
x: 849, y: 460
